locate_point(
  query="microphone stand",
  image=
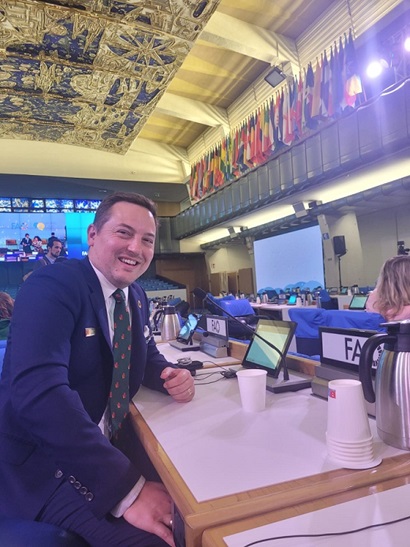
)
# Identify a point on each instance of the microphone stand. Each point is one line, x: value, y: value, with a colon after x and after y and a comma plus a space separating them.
x: 294, y: 386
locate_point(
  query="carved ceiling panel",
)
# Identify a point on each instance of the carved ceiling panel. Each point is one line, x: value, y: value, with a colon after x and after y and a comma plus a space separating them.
x: 89, y: 73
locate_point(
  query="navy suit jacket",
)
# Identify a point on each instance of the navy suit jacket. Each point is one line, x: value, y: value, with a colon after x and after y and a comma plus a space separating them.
x: 54, y: 390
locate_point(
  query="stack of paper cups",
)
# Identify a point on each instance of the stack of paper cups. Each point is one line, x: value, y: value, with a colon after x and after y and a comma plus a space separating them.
x: 349, y: 439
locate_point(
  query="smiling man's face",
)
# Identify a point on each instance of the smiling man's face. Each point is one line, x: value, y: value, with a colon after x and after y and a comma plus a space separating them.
x: 123, y: 248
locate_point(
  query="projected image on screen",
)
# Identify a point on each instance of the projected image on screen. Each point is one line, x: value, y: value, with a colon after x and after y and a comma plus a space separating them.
x: 290, y: 260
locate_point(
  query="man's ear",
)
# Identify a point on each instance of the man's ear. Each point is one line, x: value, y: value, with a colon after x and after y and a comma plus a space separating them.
x: 91, y: 233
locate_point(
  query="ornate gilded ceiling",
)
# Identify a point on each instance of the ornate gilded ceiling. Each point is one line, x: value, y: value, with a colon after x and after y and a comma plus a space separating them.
x: 90, y: 72
x: 135, y: 90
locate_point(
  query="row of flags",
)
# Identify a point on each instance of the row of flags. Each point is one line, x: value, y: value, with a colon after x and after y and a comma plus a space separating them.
x: 330, y: 90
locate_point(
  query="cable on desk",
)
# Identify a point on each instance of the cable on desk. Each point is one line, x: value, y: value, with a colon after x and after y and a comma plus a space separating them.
x: 329, y: 534
x: 207, y: 375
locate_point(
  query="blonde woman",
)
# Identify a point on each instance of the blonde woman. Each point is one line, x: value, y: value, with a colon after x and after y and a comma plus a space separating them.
x: 391, y: 297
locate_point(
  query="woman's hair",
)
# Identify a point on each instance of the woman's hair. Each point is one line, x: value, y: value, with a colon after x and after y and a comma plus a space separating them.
x: 6, y: 305
x: 393, y: 286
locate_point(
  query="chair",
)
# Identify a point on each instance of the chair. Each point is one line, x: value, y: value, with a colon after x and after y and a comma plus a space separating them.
x: 326, y: 302
x: 346, y: 319
x: 307, y: 329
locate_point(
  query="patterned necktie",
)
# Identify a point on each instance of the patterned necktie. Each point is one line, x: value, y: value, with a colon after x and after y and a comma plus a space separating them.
x: 119, y: 394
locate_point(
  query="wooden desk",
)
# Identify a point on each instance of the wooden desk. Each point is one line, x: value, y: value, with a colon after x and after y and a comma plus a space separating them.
x: 213, y: 537
x: 222, y: 465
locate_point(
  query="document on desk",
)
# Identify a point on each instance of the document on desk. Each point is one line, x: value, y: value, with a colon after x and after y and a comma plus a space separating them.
x: 369, y: 510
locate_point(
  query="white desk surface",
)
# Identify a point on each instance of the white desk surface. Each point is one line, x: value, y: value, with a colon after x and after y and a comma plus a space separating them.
x: 373, y: 509
x: 218, y: 449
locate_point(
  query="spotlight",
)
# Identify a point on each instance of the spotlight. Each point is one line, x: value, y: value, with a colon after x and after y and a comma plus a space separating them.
x: 407, y: 43
x: 375, y: 68
x: 275, y: 77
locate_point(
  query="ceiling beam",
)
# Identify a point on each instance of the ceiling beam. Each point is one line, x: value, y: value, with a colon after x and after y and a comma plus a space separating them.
x: 247, y: 39
x: 164, y: 164
x: 194, y: 111
x: 157, y: 148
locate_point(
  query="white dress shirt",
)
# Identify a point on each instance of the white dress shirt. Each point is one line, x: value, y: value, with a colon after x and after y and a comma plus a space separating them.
x: 108, y: 289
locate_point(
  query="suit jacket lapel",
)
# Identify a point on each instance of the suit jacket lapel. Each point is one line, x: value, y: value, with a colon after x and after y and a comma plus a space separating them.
x: 97, y: 299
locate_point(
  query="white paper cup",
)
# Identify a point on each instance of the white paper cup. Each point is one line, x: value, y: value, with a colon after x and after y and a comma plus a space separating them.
x: 252, y: 388
x: 347, y: 419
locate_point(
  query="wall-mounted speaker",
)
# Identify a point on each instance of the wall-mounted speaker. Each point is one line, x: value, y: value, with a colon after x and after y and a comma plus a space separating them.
x: 339, y: 245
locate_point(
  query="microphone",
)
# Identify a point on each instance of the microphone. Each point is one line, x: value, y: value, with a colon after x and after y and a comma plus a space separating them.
x: 293, y: 386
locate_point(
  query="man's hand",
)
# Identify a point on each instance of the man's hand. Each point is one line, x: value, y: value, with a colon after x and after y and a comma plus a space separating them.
x: 179, y: 383
x: 151, y: 511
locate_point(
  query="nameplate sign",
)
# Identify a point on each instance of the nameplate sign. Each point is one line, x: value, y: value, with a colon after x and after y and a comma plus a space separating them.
x: 342, y: 347
x: 217, y: 326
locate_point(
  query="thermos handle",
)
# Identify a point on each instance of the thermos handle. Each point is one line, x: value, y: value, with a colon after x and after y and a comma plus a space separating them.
x: 365, y: 363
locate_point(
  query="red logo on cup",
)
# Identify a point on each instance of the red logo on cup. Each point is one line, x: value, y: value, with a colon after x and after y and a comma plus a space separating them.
x: 332, y: 393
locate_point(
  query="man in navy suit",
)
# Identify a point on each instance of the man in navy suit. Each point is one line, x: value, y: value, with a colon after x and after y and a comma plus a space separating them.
x: 57, y: 463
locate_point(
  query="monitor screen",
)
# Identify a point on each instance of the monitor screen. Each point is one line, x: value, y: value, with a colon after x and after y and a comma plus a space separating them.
x: 292, y: 300
x: 358, y: 302
x: 260, y: 355
x: 188, y: 328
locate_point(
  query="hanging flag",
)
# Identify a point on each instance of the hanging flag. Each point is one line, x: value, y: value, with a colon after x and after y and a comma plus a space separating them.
x: 219, y: 178
x: 324, y: 89
x: 330, y: 108
x: 337, y: 79
x: 315, y: 112
x: 308, y: 97
x: 267, y: 141
x: 352, y: 83
x: 287, y: 134
x: 299, y: 107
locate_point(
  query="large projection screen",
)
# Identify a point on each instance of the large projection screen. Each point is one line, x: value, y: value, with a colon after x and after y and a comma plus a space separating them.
x: 290, y: 260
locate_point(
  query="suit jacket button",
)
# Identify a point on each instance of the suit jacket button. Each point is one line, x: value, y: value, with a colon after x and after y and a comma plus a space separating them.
x: 83, y: 490
x: 89, y: 496
x: 71, y: 479
x: 58, y: 474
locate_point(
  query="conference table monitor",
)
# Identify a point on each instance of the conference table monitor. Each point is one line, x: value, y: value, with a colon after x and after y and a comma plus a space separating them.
x: 260, y: 355
x: 358, y: 302
x: 184, y: 338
